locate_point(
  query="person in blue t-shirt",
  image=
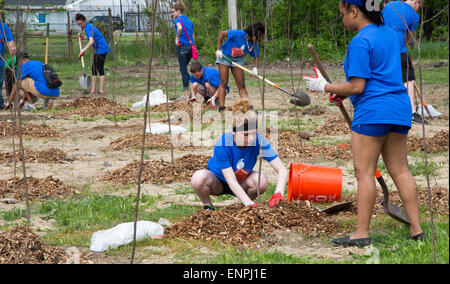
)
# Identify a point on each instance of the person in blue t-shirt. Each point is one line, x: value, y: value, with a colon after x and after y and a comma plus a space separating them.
x: 382, y: 114
x: 5, y: 37
x: 98, y: 42
x: 230, y: 170
x: 238, y: 44
x: 403, y: 19
x: 205, y: 81
x: 184, y: 30
x: 30, y: 78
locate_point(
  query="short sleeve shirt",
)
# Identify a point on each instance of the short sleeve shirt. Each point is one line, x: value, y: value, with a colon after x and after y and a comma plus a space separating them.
x: 189, y: 26
x: 236, y: 45
x: 100, y: 44
x: 5, y: 37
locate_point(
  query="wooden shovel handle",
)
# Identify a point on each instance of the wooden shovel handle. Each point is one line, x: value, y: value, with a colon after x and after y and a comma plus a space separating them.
x: 81, y: 48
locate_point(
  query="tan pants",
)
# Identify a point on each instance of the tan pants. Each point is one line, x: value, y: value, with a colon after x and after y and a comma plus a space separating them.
x: 28, y: 86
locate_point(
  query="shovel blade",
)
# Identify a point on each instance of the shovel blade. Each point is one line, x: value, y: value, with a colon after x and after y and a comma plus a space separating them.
x: 85, y: 81
x: 337, y: 208
x: 397, y: 213
x: 300, y: 98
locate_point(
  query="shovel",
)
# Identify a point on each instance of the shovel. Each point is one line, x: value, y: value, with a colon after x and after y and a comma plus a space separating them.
x: 336, y: 208
x: 392, y: 210
x: 299, y: 98
x: 85, y: 81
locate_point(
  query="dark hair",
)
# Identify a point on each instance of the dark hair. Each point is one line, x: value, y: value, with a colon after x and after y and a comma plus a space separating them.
x: 196, y: 67
x: 80, y: 17
x: 256, y: 29
x: 21, y: 55
x: 373, y: 16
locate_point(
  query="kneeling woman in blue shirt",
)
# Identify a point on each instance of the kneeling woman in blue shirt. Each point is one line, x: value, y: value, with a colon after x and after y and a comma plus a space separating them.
x: 230, y: 170
x: 382, y: 114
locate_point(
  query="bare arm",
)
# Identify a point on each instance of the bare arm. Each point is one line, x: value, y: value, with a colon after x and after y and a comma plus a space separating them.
x: 283, y: 174
x: 355, y: 86
x: 235, y: 187
x: 90, y: 43
x: 222, y: 34
x: 179, y: 29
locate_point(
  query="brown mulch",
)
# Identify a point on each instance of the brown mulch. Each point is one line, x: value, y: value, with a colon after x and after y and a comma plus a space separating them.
x: 313, y: 110
x: 179, y: 106
x: 152, y: 141
x: 38, y: 188
x: 239, y: 225
x: 29, y: 130
x: 289, y: 146
x: 21, y: 245
x: 90, y: 107
x: 332, y: 127
x: 438, y: 143
x: 160, y: 171
x: 52, y: 155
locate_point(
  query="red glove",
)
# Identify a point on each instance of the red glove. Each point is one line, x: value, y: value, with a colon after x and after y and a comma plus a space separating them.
x: 81, y: 54
x: 80, y: 37
x: 276, y: 198
x: 333, y: 98
x: 254, y: 205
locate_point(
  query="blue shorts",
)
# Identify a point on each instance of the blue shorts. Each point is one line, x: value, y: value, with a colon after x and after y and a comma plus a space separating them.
x: 380, y: 130
x: 238, y: 60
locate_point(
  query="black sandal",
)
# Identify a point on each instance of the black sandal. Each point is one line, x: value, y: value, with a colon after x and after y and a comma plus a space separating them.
x: 418, y: 237
x: 209, y: 207
x: 347, y: 242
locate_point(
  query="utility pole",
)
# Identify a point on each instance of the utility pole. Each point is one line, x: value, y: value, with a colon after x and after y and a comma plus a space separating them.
x: 232, y: 14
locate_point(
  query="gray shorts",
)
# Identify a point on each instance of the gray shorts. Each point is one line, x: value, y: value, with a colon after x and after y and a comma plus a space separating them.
x: 238, y: 60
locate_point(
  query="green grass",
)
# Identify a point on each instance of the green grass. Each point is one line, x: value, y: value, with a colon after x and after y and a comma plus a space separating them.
x: 433, y: 75
x: 418, y: 168
x: 13, y: 214
x: 123, y: 117
x: 431, y: 51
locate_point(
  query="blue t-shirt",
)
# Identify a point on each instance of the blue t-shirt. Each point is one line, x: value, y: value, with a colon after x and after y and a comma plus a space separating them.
x: 400, y: 17
x: 228, y: 155
x: 210, y: 75
x: 374, y: 54
x: 100, y: 44
x: 33, y: 69
x: 189, y: 26
x: 237, y: 45
x: 5, y: 37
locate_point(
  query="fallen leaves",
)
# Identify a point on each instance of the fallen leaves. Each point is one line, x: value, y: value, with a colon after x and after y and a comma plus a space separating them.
x: 332, y: 127
x: 152, y: 141
x: 438, y: 143
x: 29, y: 130
x: 159, y: 171
x: 239, y: 225
x: 38, y: 188
x: 52, y: 155
x: 91, y: 107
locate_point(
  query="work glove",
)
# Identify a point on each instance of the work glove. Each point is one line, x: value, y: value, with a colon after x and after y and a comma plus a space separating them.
x: 219, y: 54
x: 81, y: 54
x: 254, y: 72
x: 337, y: 100
x: 80, y: 37
x: 177, y: 41
x: 211, y: 102
x: 275, y: 199
x: 316, y: 84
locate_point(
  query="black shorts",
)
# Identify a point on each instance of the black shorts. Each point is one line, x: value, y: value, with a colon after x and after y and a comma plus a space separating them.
x: 98, y: 64
x: 226, y: 187
x: 407, y: 68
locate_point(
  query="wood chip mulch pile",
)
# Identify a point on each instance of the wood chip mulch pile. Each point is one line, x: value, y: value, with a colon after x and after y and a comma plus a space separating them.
x: 240, y: 225
x: 179, y: 106
x: 29, y: 130
x: 438, y: 143
x: 52, y: 155
x: 289, y: 146
x: 152, y: 141
x: 159, y: 171
x: 91, y: 107
x: 313, y: 110
x: 332, y: 127
x: 38, y: 188
x: 21, y: 245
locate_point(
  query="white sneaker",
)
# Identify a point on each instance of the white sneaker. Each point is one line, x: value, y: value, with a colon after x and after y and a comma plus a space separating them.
x: 33, y: 107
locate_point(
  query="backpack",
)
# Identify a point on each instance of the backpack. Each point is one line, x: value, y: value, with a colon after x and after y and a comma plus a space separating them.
x: 51, y: 77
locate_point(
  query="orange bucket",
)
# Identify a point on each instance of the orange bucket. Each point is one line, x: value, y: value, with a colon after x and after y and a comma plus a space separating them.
x: 314, y: 183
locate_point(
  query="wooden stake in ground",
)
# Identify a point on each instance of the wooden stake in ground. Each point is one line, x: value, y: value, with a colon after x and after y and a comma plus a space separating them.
x: 155, y: 4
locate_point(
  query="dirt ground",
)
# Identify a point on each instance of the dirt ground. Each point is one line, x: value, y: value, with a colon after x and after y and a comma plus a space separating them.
x: 88, y: 153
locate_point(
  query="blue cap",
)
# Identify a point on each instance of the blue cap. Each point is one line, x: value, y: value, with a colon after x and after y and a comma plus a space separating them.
x: 355, y: 2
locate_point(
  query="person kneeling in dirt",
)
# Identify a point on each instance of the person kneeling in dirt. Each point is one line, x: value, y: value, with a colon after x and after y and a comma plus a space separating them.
x: 205, y: 81
x: 30, y: 78
x: 230, y: 170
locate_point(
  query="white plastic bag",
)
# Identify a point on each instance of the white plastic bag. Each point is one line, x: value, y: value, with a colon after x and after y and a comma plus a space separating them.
x: 158, y: 128
x: 155, y: 98
x: 433, y: 111
x: 123, y: 234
